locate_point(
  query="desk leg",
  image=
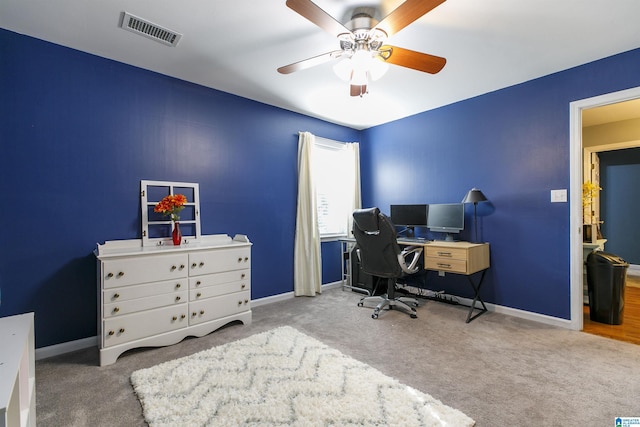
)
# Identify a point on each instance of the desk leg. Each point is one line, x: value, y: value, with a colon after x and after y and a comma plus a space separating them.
x: 476, y: 290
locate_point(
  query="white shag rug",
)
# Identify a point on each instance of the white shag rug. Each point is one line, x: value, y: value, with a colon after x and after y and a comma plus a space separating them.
x: 282, y: 378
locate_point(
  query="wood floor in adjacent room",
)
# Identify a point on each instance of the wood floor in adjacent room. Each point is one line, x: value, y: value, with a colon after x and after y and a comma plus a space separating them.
x: 629, y: 330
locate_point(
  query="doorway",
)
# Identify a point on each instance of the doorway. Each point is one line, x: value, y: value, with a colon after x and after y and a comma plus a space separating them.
x: 576, y: 180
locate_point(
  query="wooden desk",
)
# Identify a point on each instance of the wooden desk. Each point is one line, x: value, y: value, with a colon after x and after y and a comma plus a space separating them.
x: 450, y: 257
x: 459, y: 258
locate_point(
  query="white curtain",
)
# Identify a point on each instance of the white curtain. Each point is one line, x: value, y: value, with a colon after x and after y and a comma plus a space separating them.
x: 307, y: 264
x: 354, y: 151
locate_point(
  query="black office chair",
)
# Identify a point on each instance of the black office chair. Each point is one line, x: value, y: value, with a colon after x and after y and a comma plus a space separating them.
x: 380, y: 256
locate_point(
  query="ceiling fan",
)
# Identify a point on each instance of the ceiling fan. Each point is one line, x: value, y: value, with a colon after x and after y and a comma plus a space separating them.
x: 362, y: 42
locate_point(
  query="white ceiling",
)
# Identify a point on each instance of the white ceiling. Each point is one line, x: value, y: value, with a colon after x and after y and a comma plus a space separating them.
x: 236, y: 46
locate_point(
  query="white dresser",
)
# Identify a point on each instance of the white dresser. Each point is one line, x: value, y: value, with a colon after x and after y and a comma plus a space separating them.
x: 158, y: 295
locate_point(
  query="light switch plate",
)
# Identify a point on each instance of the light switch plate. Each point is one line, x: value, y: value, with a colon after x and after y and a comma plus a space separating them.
x: 559, y: 196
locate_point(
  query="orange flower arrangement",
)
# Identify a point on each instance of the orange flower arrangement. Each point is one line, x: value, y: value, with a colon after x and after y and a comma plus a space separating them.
x: 171, y: 206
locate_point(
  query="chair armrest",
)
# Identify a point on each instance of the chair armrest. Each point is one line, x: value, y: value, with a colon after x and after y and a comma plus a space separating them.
x: 414, y: 253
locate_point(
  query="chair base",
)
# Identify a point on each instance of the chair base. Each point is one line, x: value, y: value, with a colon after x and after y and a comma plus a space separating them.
x: 384, y: 301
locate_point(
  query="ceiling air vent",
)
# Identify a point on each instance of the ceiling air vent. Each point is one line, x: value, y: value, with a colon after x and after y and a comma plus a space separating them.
x: 148, y: 29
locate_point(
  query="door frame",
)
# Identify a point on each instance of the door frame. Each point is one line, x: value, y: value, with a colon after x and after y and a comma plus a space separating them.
x: 575, y: 186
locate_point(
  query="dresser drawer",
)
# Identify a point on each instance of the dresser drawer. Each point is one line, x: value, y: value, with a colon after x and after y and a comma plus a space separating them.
x: 445, y: 264
x: 217, y: 307
x: 121, y: 329
x: 221, y: 289
x: 137, y: 270
x: 446, y: 253
x: 200, y: 282
x: 219, y: 260
x: 140, y: 291
x: 131, y: 306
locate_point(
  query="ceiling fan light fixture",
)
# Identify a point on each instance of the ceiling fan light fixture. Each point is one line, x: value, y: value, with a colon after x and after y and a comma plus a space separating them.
x: 343, y: 69
x: 361, y: 59
x: 359, y: 77
x: 378, y: 68
x: 362, y: 41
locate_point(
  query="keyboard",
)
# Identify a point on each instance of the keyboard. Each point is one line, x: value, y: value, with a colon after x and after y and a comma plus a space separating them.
x: 421, y: 240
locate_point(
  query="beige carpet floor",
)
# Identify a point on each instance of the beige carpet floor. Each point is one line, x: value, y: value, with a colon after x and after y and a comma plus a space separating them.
x: 499, y: 370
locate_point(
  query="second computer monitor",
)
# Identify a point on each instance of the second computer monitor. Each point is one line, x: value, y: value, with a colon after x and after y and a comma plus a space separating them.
x: 447, y: 218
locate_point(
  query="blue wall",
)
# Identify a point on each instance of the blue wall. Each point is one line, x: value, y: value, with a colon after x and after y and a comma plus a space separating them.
x: 79, y: 132
x: 513, y: 144
x: 620, y: 202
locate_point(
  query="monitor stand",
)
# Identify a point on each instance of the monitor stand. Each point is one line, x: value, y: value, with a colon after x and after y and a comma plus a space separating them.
x: 449, y: 238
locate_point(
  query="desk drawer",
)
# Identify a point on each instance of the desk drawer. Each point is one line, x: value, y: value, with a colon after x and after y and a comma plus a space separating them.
x: 446, y: 264
x: 446, y: 253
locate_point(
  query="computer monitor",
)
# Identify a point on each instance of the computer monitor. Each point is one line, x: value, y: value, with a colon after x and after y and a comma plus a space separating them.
x: 446, y: 218
x: 409, y: 216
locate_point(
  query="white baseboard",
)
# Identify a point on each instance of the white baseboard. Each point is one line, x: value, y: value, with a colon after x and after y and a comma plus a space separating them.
x: 528, y: 315
x: 67, y: 347
x: 634, y: 270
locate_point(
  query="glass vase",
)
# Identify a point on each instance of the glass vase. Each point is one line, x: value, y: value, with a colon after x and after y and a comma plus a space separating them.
x: 176, y: 235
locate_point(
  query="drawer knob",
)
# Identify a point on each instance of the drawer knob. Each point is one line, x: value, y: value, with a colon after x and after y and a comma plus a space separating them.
x: 121, y: 330
x: 174, y: 318
x: 181, y: 266
x: 173, y: 267
x: 243, y: 286
x: 116, y: 309
x: 198, y: 295
x: 120, y: 274
x: 110, y: 275
x: 116, y: 295
x: 111, y: 333
x: 201, y: 311
x: 178, y: 285
x: 177, y: 298
x: 198, y: 283
x: 194, y: 265
x: 242, y: 276
x: 194, y: 314
x: 182, y: 316
x: 201, y: 264
x: 239, y: 302
x: 246, y: 259
x: 246, y: 301
x: 239, y: 259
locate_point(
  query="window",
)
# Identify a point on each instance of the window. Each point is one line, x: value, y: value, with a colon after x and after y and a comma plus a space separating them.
x: 337, y: 185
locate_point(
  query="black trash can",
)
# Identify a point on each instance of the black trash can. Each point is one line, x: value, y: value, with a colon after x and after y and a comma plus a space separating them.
x: 606, y: 279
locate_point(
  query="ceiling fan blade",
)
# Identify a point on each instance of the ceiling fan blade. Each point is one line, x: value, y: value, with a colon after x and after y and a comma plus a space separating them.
x: 405, y: 14
x: 322, y: 19
x: 411, y: 59
x: 311, y: 62
x: 358, y: 90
